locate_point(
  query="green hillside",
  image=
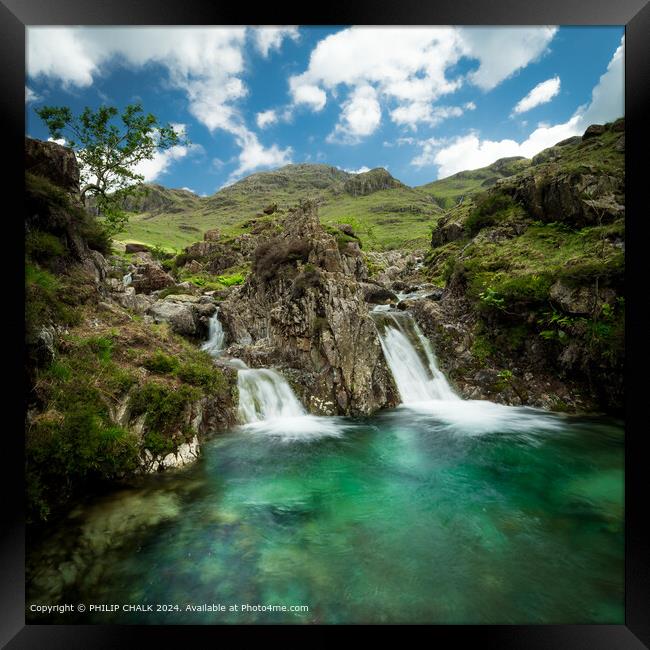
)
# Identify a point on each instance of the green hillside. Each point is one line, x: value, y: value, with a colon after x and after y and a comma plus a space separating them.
x: 449, y: 191
x: 386, y: 213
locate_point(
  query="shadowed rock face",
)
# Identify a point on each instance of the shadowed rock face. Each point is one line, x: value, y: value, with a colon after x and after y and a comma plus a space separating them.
x: 303, y: 308
x: 56, y: 163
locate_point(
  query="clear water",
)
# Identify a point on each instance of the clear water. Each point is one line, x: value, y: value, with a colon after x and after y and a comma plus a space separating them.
x: 441, y: 512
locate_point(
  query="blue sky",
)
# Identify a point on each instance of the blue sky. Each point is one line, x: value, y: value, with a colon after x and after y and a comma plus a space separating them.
x: 422, y: 102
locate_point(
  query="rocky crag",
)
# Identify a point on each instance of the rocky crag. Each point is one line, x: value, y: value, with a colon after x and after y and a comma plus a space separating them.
x: 533, y: 273
x: 521, y: 293
x: 113, y: 390
x: 303, y: 309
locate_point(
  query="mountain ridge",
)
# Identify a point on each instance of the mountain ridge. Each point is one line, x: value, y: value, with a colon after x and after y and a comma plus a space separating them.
x: 386, y: 212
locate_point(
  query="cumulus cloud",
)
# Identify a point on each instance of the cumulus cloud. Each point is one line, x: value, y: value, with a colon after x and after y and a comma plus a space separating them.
x: 542, y: 93
x: 254, y: 155
x: 412, y: 73
x: 470, y: 152
x: 271, y: 38
x: 161, y: 161
x: 308, y: 94
x: 361, y: 170
x: 205, y: 63
x: 361, y: 115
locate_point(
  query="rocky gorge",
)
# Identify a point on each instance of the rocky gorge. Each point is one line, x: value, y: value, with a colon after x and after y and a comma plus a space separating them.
x: 520, y: 294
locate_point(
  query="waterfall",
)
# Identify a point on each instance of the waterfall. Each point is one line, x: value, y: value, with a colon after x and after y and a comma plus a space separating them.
x: 127, y: 279
x: 411, y: 360
x: 264, y: 394
x: 216, y: 337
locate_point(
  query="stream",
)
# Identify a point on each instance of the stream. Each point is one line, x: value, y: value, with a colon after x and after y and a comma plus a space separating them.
x: 441, y: 510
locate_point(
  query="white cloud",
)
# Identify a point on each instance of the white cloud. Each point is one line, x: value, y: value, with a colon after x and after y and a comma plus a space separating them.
x: 542, y: 93
x: 470, y: 152
x: 608, y: 97
x: 502, y: 51
x: 254, y: 155
x: 361, y: 170
x: 31, y: 96
x: 60, y: 141
x: 361, y: 115
x: 270, y: 38
x: 427, y: 155
x: 308, y: 94
x: 206, y: 63
x: 412, y: 114
x: 161, y: 161
x: 266, y: 118
x: 407, y: 68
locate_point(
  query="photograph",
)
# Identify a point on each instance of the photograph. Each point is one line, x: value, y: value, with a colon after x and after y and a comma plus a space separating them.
x: 325, y: 324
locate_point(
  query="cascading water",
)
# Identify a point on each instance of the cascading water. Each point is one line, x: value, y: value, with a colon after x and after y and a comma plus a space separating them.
x: 264, y: 394
x: 216, y: 337
x: 411, y: 359
x: 266, y: 402
x: 425, y: 391
x: 127, y: 279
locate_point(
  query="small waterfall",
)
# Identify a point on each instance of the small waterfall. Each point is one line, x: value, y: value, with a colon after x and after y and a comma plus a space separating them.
x: 216, y: 337
x: 264, y: 394
x: 127, y: 279
x: 411, y: 360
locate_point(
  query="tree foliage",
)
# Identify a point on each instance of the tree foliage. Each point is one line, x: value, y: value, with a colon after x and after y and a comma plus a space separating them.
x: 109, y: 145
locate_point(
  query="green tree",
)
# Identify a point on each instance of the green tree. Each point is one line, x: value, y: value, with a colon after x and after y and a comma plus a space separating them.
x: 108, y: 150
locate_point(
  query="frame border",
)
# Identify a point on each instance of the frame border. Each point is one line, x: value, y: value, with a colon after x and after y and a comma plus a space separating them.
x: 16, y: 15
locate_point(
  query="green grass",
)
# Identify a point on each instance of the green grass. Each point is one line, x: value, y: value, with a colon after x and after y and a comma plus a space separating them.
x: 396, y: 217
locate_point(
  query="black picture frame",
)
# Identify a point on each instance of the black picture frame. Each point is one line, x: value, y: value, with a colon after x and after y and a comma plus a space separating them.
x: 15, y: 15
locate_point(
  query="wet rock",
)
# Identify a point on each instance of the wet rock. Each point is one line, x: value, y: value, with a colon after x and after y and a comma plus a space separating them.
x: 447, y: 230
x: 436, y: 294
x: 186, y: 314
x: 377, y: 295
x: 179, y: 316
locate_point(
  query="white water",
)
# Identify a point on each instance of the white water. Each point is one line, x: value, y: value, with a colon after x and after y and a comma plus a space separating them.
x: 426, y: 393
x: 216, y: 337
x: 267, y: 405
x: 411, y: 360
x: 264, y: 394
x: 127, y: 279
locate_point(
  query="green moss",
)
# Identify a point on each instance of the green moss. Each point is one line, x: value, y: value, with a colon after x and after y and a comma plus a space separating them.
x: 482, y: 348
x: 230, y: 280
x: 204, y: 374
x: 491, y: 208
x: 160, y: 363
x: 158, y: 444
x: 163, y: 406
x: 43, y: 246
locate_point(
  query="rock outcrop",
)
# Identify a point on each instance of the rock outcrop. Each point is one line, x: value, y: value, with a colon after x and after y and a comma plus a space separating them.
x: 303, y: 309
x: 187, y: 315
